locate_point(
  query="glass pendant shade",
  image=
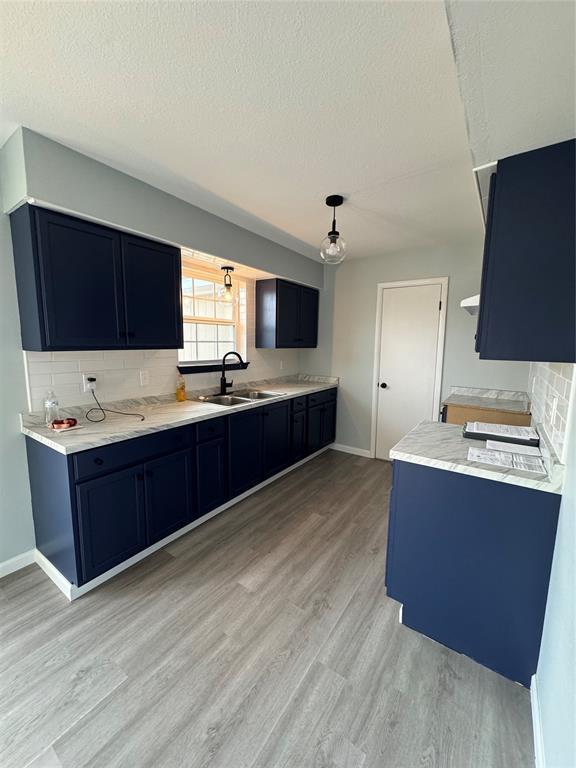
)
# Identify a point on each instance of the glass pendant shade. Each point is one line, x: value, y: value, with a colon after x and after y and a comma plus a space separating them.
x: 333, y: 249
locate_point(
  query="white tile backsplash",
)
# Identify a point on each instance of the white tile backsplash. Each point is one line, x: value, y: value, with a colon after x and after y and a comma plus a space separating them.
x: 551, y: 388
x: 118, y: 371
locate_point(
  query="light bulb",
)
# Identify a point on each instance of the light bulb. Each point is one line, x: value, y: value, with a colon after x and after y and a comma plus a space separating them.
x: 333, y: 250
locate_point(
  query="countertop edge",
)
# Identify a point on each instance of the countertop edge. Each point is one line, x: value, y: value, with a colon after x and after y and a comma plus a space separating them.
x: 547, y: 486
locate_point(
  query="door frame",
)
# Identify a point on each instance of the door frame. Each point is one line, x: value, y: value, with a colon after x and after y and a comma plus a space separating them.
x: 381, y: 287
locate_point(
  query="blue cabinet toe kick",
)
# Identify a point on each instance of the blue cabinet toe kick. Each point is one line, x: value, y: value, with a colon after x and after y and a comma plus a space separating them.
x: 470, y: 561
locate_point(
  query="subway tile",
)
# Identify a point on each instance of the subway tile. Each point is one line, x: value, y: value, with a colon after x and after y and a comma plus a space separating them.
x: 66, y: 378
x: 85, y: 355
x: 52, y: 367
x: 40, y: 379
x: 38, y: 356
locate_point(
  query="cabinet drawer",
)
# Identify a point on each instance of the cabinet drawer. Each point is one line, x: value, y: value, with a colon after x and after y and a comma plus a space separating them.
x: 211, y: 429
x: 299, y: 403
x: 111, y: 457
x: 318, y: 398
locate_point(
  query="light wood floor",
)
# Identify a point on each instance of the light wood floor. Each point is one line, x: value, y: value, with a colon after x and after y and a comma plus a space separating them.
x: 262, y: 639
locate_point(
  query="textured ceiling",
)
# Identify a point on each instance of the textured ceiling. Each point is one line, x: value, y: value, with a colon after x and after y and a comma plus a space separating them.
x: 517, y: 70
x: 257, y: 110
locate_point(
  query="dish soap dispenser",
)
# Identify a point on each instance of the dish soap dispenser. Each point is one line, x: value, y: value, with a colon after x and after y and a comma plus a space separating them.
x: 180, y: 388
x: 51, y: 407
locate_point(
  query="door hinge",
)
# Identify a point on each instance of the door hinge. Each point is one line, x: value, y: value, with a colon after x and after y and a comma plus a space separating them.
x: 439, y: 305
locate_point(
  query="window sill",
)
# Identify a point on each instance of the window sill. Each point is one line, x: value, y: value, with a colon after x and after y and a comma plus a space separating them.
x: 187, y: 368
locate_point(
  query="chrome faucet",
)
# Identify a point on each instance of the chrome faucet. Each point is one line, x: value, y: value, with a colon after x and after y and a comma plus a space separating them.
x: 225, y: 385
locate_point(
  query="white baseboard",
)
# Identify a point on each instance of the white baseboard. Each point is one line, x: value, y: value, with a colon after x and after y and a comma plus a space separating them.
x: 53, y: 573
x: 351, y: 449
x: 539, y: 755
x: 15, y: 563
x: 72, y: 591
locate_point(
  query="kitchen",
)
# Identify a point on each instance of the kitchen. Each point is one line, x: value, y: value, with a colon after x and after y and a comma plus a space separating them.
x: 263, y: 492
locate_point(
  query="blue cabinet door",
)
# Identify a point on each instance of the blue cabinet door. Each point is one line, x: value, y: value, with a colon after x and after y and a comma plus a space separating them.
x: 152, y: 285
x: 79, y: 264
x: 528, y: 294
x: 329, y: 424
x: 470, y: 560
x: 245, y: 450
x: 111, y: 520
x: 288, y: 331
x: 211, y: 475
x: 315, y: 428
x: 276, y: 437
x: 299, y: 437
x: 169, y: 500
x: 308, y: 317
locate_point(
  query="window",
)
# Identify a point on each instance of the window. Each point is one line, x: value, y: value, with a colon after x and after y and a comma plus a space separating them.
x: 212, y: 325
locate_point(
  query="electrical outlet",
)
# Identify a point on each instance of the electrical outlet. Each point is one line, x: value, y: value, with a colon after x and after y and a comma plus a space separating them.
x: 88, y: 382
x: 144, y: 378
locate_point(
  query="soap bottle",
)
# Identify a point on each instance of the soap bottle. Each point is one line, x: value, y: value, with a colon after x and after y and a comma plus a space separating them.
x: 180, y: 388
x: 51, y: 409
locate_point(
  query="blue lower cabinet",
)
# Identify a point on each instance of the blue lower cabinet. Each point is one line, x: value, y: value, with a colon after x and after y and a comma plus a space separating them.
x: 168, y: 492
x: 245, y: 450
x: 276, y: 437
x: 212, y: 487
x: 111, y: 520
x: 299, y: 444
x: 321, y: 426
x: 470, y: 560
x: 97, y: 508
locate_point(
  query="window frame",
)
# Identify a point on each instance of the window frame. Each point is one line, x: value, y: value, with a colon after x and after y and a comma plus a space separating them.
x: 238, y: 321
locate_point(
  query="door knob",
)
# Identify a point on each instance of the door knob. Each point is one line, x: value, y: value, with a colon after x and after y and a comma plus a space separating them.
x: 383, y: 385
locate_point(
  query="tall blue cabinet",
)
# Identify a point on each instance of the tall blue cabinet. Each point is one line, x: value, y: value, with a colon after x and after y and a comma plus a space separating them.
x: 528, y: 292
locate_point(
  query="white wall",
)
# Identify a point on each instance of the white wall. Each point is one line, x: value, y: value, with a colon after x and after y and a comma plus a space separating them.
x: 118, y: 371
x: 556, y: 676
x: 39, y: 168
x: 350, y: 352
x: 16, y: 529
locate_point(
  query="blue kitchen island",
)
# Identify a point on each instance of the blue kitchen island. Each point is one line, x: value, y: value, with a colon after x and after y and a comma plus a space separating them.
x: 470, y: 549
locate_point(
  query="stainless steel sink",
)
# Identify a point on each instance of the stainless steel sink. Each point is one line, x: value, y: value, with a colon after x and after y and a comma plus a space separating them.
x: 226, y: 400
x: 252, y: 394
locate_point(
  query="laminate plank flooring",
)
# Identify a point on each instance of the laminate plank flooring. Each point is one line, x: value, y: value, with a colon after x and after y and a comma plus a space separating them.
x: 262, y: 639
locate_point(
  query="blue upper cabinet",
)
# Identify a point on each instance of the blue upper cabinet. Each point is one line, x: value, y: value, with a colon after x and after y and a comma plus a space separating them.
x: 286, y: 315
x: 528, y: 293
x: 152, y: 289
x: 84, y: 286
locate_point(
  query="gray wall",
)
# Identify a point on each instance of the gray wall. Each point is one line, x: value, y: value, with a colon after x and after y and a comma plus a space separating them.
x: 16, y: 530
x: 556, y: 676
x: 49, y: 172
x: 350, y: 352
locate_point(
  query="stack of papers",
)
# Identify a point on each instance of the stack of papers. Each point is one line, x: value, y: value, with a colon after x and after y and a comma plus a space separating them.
x: 505, y: 458
x: 503, y: 432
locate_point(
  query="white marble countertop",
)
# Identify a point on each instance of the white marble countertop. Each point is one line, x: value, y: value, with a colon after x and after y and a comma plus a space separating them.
x: 489, y: 399
x: 434, y: 444
x: 159, y: 415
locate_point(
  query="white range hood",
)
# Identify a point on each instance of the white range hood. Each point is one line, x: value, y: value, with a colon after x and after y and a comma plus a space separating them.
x: 471, y: 304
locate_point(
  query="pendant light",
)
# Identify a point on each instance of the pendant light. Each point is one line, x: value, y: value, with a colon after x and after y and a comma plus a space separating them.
x: 227, y: 294
x: 333, y: 247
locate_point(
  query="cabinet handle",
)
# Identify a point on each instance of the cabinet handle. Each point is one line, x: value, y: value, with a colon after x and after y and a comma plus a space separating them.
x: 99, y: 462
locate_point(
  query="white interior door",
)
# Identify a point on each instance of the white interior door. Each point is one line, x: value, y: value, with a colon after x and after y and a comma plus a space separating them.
x: 409, y: 339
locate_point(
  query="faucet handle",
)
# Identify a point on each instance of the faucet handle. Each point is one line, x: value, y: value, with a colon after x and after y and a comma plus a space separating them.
x: 230, y: 383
